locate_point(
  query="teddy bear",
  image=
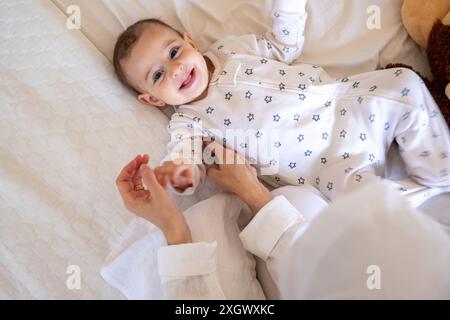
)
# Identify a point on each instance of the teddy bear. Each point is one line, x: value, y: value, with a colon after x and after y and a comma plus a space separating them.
x: 428, y: 24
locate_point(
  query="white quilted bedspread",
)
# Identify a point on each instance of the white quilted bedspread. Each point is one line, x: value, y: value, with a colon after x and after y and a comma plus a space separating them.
x: 67, y: 127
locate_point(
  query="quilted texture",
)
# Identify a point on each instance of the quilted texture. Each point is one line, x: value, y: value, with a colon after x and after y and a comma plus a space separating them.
x: 67, y: 128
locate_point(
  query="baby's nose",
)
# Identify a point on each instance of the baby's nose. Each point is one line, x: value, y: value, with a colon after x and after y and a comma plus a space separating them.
x: 178, y: 70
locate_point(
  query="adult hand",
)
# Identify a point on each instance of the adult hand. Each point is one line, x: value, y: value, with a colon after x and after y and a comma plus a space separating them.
x: 235, y: 174
x: 154, y: 203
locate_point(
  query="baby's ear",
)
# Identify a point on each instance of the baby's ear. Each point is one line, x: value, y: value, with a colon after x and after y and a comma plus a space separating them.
x: 148, y: 99
x: 189, y: 40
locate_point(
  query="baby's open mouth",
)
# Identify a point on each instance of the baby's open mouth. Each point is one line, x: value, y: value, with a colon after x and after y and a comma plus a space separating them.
x: 189, y: 80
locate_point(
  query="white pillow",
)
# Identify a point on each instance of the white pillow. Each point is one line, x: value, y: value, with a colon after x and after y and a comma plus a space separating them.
x: 337, y: 36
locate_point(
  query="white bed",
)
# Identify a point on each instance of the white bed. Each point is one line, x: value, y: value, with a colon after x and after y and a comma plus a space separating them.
x: 68, y: 127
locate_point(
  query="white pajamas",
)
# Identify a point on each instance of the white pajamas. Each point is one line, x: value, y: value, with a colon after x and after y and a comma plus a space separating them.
x: 303, y: 127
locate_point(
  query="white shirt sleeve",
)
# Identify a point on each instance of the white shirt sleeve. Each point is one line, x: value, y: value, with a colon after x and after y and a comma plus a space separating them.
x: 189, y: 271
x: 280, y: 223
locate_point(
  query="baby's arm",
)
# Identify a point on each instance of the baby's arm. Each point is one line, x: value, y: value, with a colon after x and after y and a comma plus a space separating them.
x: 285, y: 41
x: 184, y: 150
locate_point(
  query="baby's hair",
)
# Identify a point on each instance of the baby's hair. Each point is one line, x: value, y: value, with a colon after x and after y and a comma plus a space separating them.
x: 125, y: 43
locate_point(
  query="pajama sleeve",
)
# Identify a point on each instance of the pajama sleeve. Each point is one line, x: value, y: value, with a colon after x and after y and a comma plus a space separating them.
x: 185, y: 146
x: 285, y: 42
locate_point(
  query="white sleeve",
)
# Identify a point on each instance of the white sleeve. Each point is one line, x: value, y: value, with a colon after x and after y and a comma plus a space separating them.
x: 186, y: 146
x: 279, y: 222
x: 285, y: 41
x: 189, y: 271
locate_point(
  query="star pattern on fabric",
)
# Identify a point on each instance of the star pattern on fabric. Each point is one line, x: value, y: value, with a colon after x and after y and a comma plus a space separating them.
x: 282, y: 72
x: 251, y: 117
x: 286, y: 49
x: 346, y: 155
x: 227, y: 122
x: 325, y: 136
x: 223, y: 73
x: 323, y: 160
x: 330, y: 186
x: 373, y: 88
x: 387, y: 126
x: 360, y: 100
x: 301, y: 74
x: 209, y: 110
x: 243, y: 145
x: 398, y: 72
x: 405, y: 92
x: 249, y: 71
x: 228, y: 96
x: 277, y: 144
x: 302, y: 97
x: 343, y: 134
x: 302, y: 86
x: 301, y: 180
x: 406, y: 115
x: 343, y: 112
x: 276, y: 118
x: 308, y: 153
x: 263, y: 61
x: 358, y: 178
x: 372, y: 118
x: 196, y: 119
x: 363, y: 137
x: 327, y: 104
x: 285, y: 31
x: 296, y: 117
x: 273, y: 162
x: 248, y: 95
x: 316, y: 117
x: 300, y: 137
x: 371, y: 157
x: 348, y: 170
x: 268, y: 99
x: 293, y: 165
x: 317, y: 180
x: 356, y: 84
x: 258, y: 135
x: 345, y: 79
x: 282, y: 86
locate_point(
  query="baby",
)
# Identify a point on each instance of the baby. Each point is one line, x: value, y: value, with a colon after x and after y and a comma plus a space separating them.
x: 293, y: 120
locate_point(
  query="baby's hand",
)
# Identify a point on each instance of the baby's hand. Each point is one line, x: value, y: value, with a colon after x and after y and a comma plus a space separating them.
x: 178, y: 175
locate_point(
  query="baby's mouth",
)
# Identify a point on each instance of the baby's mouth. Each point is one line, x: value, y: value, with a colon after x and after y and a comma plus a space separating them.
x: 189, y: 80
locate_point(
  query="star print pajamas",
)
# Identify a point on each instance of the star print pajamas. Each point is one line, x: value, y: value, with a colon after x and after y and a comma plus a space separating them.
x: 305, y: 127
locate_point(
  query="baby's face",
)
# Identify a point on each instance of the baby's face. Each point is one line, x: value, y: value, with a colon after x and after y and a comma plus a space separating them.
x: 166, y: 68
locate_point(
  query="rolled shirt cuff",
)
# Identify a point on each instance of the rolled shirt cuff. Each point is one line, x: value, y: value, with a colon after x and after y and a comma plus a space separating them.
x: 269, y: 224
x: 186, y: 260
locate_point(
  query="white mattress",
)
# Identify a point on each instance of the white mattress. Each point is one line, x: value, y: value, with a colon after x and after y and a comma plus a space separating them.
x: 68, y: 127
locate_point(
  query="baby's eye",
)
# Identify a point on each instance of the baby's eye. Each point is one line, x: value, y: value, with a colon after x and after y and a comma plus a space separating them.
x: 157, y: 76
x: 173, y: 52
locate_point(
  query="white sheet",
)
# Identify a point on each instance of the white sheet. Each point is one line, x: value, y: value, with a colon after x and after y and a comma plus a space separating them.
x: 68, y: 127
